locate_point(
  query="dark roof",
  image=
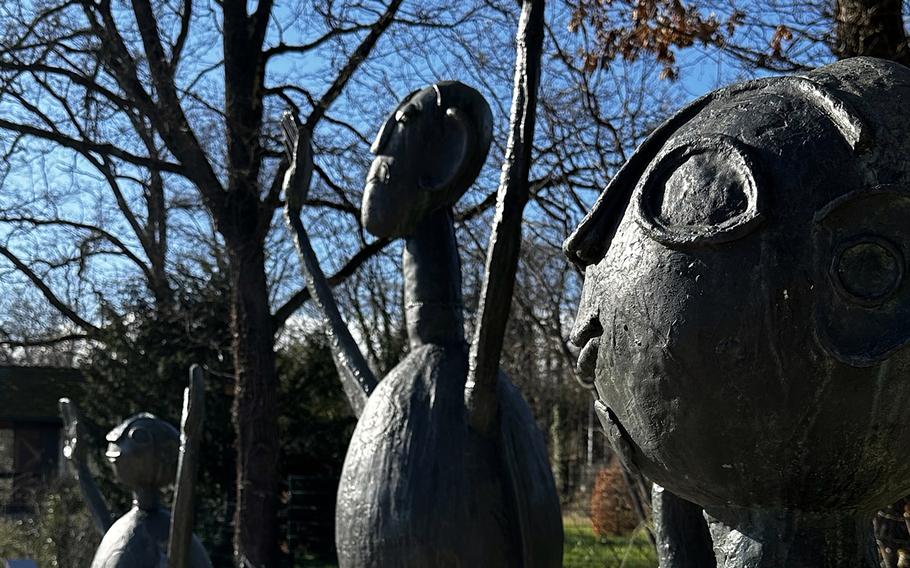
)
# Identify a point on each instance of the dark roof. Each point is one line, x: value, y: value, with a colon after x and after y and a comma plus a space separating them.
x: 31, y: 393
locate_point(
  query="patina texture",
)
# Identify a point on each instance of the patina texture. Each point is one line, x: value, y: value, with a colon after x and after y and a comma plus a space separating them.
x: 746, y: 310
x: 680, y: 531
x: 421, y: 486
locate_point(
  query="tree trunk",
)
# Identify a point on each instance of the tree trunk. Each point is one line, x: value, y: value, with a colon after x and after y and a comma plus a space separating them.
x: 255, y: 409
x: 871, y: 27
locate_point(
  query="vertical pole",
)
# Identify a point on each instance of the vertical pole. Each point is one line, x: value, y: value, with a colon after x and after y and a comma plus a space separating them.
x: 181, y: 534
x: 505, y: 240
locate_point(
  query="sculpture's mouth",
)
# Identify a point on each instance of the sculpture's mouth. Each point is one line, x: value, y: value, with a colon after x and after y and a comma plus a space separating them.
x: 379, y: 173
x: 587, y: 358
x: 586, y: 334
x: 113, y: 453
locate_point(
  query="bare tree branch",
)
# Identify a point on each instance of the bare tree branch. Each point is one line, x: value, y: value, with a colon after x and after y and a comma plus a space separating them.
x: 354, y: 61
x: 89, y: 147
x: 351, y: 266
x: 86, y: 227
x: 49, y: 294
x: 44, y: 341
x: 283, y: 48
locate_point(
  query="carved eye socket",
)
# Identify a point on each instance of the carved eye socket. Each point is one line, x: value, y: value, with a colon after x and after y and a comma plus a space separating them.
x: 140, y: 435
x: 868, y: 270
x: 404, y: 114
x: 399, y: 117
x: 704, y: 192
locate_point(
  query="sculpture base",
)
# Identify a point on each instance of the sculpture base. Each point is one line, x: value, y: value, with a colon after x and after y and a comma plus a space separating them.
x: 749, y: 538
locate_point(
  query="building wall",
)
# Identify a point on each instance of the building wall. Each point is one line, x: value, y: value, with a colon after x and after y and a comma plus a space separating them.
x: 29, y: 459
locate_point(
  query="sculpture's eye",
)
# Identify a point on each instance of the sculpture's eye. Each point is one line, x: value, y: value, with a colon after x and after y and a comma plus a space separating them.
x: 862, y: 240
x: 868, y: 270
x: 406, y: 113
x: 140, y: 435
x: 703, y: 192
x: 400, y: 116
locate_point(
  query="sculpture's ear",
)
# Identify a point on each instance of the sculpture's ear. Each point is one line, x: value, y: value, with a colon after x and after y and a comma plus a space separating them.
x: 589, y: 242
x: 447, y: 152
x: 862, y: 244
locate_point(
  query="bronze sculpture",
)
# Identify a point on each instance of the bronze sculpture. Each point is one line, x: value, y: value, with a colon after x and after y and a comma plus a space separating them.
x: 745, y: 310
x: 143, y: 451
x: 421, y: 486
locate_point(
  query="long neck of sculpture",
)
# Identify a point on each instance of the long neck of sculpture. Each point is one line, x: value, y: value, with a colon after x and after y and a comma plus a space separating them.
x: 432, y: 282
x: 146, y: 498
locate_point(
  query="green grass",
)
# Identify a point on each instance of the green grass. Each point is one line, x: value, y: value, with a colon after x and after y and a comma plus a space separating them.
x: 584, y: 549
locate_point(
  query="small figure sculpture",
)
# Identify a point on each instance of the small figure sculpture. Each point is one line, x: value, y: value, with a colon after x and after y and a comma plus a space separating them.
x: 420, y: 485
x: 143, y: 453
x: 746, y: 311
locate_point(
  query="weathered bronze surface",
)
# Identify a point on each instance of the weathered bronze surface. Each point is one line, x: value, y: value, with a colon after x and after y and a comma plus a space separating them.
x: 680, y: 531
x: 420, y: 486
x: 746, y: 310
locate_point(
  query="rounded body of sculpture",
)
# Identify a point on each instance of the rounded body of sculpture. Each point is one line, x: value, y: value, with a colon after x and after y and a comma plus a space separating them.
x: 421, y: 484
x: 420, y: 488
x: 139, y: 539
x: 746, y: 310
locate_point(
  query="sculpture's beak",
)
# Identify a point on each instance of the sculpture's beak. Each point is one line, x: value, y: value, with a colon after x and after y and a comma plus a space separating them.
x: 383, y: 207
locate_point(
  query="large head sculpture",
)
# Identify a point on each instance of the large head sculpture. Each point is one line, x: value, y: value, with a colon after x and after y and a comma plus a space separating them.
x: 746, y: 308
x: 428, y: 152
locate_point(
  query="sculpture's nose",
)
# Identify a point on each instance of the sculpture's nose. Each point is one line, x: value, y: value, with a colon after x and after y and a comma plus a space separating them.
x: 587, y: 320
x: 586, y: 335
x: 382, y: 209
x: 587, y: 327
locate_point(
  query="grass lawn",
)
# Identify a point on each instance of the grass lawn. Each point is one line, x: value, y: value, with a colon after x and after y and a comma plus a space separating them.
x: 584, y: 549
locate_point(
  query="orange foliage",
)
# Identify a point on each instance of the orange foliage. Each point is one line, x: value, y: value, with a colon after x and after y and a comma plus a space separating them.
x: 611, y: 506
x: 630, y: 28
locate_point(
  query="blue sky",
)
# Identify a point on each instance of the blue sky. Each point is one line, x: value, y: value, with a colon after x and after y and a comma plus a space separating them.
x: 479, y: 52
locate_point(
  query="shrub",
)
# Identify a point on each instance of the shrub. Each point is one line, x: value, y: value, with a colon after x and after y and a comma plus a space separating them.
x: 611, y: 507
x: 61, y: 534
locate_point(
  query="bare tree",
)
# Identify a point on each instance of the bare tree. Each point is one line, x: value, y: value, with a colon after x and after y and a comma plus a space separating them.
x: 137, y: 94
x: 138, y: 135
